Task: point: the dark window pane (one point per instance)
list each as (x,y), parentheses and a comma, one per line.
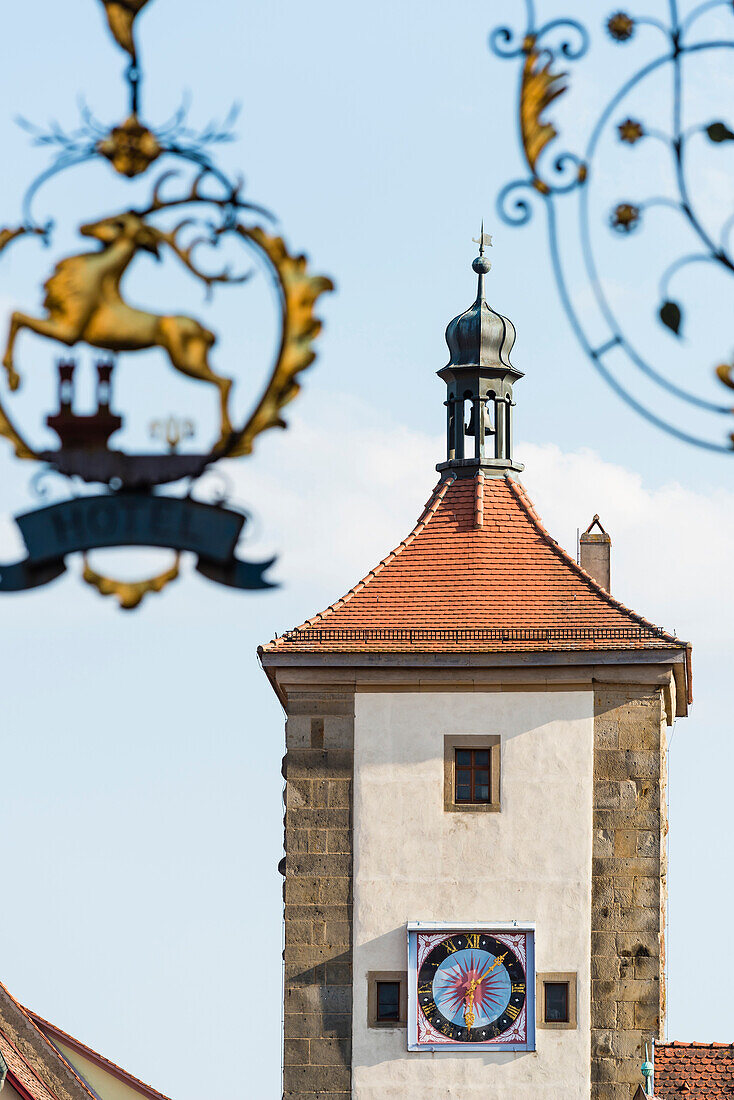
(482,759)
(481,794)
(556,1002)
(388,1000)
(463,783)
(463,757)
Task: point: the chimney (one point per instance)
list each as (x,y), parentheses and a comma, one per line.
(595,552)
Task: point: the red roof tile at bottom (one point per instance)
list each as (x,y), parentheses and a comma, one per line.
(694,1071)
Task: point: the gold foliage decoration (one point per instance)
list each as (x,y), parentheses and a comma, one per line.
(121,16)
(130,147)
(129,594)
(540,87)
(725,372)
(299,292)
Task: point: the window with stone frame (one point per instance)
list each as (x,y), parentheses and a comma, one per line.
(556,1000)
(472,772)
(387,998)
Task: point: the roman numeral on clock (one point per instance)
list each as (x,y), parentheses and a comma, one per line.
(512,1012)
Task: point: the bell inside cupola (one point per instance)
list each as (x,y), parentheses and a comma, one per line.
(479,378)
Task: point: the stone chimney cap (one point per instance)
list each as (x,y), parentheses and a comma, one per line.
(595,551)
(590,535)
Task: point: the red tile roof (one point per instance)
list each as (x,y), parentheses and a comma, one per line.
(55,1034)
(479,572)
(38,1070)
(694,1071)
(20,1072)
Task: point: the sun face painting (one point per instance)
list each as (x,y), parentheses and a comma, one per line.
(470,989)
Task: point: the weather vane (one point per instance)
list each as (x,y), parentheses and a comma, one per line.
(570,187)
(85,304)
(484,240)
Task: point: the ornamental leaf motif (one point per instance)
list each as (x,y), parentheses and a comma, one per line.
(671,316)
(540,87)
(719,131)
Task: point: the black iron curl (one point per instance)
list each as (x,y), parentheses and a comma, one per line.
(570,49)
(566,173)
(514,209)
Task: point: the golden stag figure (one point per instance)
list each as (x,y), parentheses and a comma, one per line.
(84,301)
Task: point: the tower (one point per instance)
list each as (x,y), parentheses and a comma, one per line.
(475,796)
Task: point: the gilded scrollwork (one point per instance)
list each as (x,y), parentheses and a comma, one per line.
(299,291)
(121,16)
(129,594)
(540,88)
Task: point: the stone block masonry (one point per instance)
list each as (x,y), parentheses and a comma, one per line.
(319,769)
(628,885)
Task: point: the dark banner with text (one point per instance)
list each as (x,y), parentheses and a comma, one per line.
(132,519)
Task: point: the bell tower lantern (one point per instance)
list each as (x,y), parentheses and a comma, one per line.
(479,378)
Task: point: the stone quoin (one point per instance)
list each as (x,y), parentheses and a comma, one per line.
(432,948)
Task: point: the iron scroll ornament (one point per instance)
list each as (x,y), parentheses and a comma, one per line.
(543,52)
(84,304)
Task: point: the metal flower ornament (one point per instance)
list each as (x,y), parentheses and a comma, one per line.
(663,216)
(114,497)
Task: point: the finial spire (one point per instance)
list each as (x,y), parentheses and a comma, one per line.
(482,240)
(481,265)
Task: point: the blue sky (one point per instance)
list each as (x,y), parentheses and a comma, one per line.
(142,752)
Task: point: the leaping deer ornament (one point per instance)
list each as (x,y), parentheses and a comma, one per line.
(84,300)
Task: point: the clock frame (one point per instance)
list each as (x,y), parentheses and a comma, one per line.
(471,987)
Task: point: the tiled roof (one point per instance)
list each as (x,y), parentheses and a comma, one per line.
(39,1070)
(694,1071)
(479,572)
(55,1034)
(36,1069)
(20,1072)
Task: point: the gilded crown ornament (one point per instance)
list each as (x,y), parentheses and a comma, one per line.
(85,305)
(688,405)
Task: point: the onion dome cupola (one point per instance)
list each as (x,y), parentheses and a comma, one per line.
(479,377)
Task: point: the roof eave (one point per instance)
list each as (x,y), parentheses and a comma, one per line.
(293,658)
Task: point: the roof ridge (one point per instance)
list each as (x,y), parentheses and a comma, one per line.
(427,514)
(64,1035)
(518,491)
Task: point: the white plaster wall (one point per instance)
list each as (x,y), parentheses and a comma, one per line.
(529,862)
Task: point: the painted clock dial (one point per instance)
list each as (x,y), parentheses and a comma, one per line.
(471,987)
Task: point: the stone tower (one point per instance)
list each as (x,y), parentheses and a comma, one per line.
(475,796)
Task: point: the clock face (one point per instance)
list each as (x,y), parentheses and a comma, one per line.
(471,988)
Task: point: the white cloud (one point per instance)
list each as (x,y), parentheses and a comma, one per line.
(671,546)
(337,491)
